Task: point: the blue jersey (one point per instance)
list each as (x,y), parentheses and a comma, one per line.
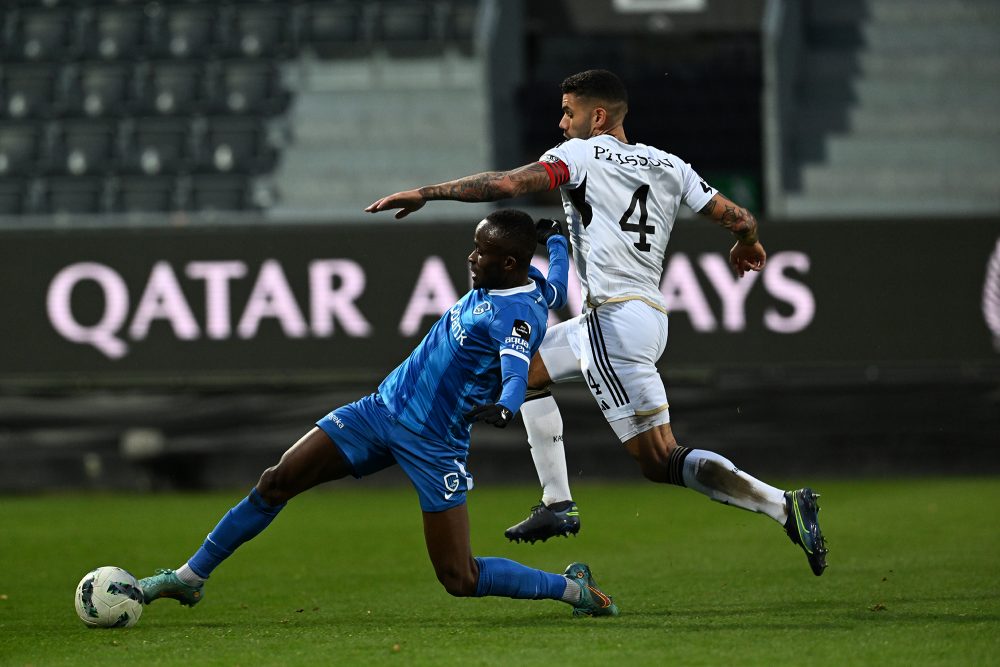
(484,342)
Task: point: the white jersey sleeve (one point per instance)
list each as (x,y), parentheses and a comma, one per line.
(570,153)
(697,192)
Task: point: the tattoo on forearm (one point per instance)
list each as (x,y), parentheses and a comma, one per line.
(740,222)
(491,185)
(709,208)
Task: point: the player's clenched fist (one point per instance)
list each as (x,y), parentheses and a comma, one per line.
(546,229)
(491,413)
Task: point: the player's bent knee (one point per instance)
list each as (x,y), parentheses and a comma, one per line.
(652,451)
(271,488)
(459,583)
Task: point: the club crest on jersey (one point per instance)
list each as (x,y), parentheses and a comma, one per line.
(482,308)
(521,329)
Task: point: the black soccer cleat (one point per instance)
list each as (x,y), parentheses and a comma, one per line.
(802,527)
(545,522)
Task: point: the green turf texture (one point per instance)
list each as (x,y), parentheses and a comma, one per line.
(342,577)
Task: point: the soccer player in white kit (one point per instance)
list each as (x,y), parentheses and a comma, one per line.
(621,201)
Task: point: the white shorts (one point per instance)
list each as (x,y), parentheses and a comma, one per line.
(614,349)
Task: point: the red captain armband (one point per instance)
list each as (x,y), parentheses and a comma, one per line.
(558,172)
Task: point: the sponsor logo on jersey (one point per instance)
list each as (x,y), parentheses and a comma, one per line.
(482,308)
(521,329)
(336,420)
(517,344)
(457,330)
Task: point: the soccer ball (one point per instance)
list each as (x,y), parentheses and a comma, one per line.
(109,597)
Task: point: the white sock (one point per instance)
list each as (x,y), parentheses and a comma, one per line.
(545,435)
(715,476)
(187,575)
(573,592)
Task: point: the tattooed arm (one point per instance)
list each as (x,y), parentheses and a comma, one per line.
(748,254)
(735,218)
(487,186)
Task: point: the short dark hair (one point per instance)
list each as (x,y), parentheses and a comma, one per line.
(598,84)
(516,229)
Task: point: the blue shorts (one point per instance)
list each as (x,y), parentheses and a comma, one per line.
(371,439)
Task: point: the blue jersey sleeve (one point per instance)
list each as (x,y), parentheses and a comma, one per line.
(554,285)
(517,333)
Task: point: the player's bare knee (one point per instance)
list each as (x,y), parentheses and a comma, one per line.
(651,450)
(654,469)
(459,582)
(270,486)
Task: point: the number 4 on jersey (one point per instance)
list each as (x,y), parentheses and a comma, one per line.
(638,197)
(596,386)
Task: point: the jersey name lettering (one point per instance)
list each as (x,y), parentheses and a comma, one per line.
(601,153)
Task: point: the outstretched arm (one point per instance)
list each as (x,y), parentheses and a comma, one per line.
(487,186)
(747,254)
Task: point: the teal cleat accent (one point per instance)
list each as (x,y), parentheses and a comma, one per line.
(593,601)
(802,527)
(166,584)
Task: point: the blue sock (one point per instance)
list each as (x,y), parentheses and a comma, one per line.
(241,523)
(507,578)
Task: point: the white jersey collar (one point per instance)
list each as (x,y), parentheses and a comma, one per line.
(523,289)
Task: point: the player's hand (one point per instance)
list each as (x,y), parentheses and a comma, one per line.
(491,413)
(407,202)
(546,229)
(745,258)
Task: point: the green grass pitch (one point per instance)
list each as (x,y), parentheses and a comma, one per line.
(342,577)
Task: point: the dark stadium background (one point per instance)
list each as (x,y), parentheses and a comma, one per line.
(146,145)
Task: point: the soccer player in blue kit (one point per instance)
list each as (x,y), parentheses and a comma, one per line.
(471,366)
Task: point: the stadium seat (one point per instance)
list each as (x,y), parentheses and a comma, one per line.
(261,30)
(187,31)
(334,29)
(83,147)
(249,87)
(28,91)
(146,194)
(14,196)
(235,145)
(171,88)
(409,28)
(156,146)
(116,32)
(98,89)
(71,194)
(20,147)
(461,24)
(40,35)
(221,193)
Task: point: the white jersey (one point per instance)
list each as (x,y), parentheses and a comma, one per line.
(621,201)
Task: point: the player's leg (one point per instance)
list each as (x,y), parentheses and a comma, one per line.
(441,480)
(620,369)
(310,461)
(345,442)
(663,460)
(556,514)
(463,575)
